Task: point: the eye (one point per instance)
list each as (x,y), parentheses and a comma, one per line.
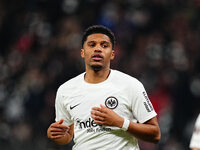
(91,44)
(105,45)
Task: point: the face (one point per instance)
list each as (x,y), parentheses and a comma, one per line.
(97,51)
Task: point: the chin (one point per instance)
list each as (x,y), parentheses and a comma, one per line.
(96,68)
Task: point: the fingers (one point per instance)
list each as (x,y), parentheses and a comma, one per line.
(103,115)
(98,109)
(98,119)
(99,114)
(57,130)
(100,122)
(61,121)
(55,135)
(56,125)
(102,109)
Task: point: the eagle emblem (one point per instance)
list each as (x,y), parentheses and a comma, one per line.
(111,102)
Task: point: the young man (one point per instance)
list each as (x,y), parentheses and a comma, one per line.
(103,108)
(195,140)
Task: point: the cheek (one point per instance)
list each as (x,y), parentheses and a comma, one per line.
(87,56)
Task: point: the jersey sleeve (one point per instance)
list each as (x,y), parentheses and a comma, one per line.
(61,110)
(142,107)
(195,140)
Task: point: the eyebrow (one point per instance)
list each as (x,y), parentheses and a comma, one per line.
(90,42)
(105,42)
(100,42)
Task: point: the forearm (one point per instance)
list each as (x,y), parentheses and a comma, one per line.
(146,132)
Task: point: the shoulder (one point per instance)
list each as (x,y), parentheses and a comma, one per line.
(123,78)
(70,84)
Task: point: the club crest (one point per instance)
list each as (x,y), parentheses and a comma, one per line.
(111,102)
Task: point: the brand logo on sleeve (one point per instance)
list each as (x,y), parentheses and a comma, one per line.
(147,104)
(111,102)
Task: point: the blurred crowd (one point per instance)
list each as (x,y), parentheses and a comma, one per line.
(40,42)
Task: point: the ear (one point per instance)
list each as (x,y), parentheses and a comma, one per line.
(112,55)
(82,53)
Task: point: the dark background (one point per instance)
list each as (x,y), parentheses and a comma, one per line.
(157,42)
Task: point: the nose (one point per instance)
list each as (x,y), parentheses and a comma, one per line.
(98,50)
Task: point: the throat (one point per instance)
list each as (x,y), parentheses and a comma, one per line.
(96,76)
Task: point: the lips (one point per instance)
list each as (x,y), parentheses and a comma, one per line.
(97,57)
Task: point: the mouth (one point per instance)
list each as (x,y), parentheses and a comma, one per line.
(97,57)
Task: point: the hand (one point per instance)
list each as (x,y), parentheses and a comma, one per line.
(57,130)
(105,116)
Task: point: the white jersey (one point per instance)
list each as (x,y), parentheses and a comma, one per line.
(122,93)
(195,140)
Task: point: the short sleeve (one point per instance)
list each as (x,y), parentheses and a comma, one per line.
(195,140)
(142,107)
(61,110)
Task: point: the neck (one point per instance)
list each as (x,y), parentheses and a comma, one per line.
(92,76)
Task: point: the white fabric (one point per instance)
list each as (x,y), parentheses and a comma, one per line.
(195,140)
(125,124)
(120,90)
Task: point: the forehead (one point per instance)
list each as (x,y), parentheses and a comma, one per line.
(98,37)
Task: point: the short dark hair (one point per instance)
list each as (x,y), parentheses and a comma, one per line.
(98,29)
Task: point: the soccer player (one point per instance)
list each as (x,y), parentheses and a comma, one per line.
(102,108)
(195,140)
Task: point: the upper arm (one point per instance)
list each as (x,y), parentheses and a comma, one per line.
(155,126)
(141,105)
(61,109)
(152,121)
